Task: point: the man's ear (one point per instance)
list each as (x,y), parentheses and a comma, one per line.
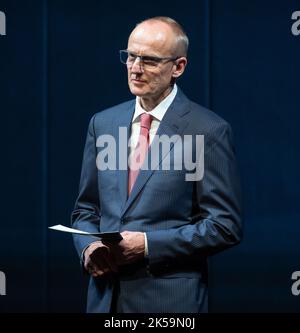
(179,65)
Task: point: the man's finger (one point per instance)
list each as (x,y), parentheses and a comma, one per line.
(100,271)
(110,262)
(87,262)
(102,257)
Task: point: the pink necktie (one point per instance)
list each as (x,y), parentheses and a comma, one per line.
(139,154)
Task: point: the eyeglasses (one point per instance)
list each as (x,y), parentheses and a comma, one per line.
(128,58)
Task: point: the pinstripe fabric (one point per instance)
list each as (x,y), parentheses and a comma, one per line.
(191,299)
(185,221)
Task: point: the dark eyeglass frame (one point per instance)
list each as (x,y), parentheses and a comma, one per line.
(150,61)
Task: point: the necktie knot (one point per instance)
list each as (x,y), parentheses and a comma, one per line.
(146,120)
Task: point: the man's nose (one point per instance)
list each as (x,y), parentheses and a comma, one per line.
(137,66)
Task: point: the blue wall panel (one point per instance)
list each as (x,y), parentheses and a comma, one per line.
(22,236)
(254,85)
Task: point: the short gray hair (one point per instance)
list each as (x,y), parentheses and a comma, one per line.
(182,39)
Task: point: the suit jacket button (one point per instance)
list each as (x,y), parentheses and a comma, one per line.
(148,271)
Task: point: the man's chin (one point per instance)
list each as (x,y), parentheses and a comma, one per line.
(140,92)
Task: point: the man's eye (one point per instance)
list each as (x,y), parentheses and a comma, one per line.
(131,56)
(150,61)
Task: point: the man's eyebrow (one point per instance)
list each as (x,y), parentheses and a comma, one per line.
(145,55)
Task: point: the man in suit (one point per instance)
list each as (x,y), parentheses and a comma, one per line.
(169,224)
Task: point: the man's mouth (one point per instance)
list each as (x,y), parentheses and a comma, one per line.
(137,81)
(134,78)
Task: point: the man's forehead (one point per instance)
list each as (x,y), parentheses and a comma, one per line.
(152,35)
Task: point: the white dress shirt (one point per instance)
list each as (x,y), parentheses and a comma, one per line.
(157,115)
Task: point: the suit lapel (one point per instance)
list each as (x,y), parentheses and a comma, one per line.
(172,124)
(124,122)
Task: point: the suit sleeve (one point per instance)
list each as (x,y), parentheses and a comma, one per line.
(86,213)
(216,220)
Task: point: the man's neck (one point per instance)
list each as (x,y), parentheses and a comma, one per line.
(149,104)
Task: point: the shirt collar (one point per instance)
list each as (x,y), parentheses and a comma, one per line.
(159,111)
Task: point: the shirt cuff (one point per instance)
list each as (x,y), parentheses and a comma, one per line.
(146,246)
(82,254)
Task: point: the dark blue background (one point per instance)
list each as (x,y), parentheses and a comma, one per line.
(59,65)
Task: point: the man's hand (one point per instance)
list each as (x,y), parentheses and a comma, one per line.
(131,248)
(98,259)
(102,258)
